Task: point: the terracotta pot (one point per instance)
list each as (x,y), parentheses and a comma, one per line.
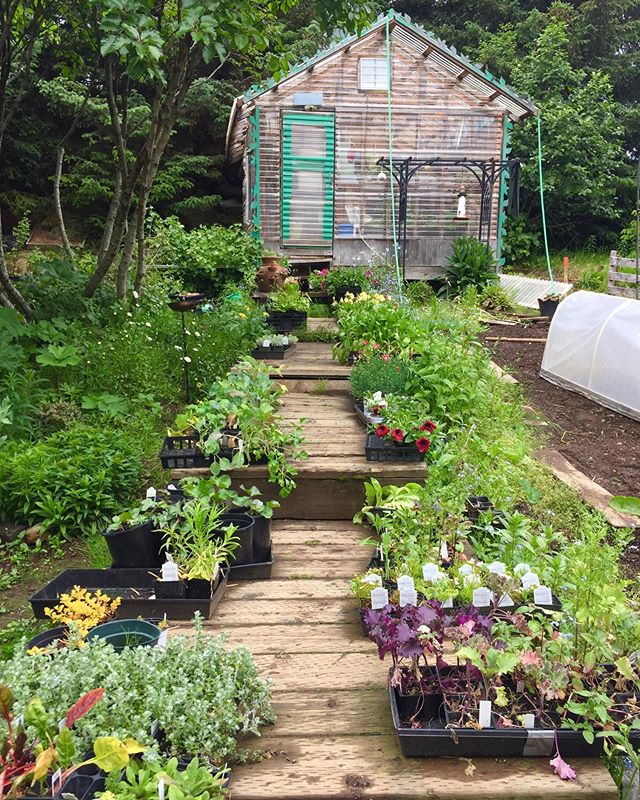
(271,274)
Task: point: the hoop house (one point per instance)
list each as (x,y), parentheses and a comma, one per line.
(593,348)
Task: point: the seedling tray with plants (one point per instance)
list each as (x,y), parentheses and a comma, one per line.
(368,420)
(274,353)
(431,738)
(184,452)
(377,449)
(253,572)
(135,587)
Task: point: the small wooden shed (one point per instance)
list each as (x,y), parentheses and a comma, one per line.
(318,148)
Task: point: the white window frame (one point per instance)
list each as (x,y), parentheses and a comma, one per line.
(377,75)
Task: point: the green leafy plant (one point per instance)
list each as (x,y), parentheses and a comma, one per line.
(59,356)
(289,298)
(470,264)
(379,373)
(108,404)
(141,782)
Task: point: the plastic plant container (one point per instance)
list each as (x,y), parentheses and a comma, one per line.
(136,547)
(377,449)
(259,571)
(182,452)
(47,638)
(135,587)
(121,633)
(244,524)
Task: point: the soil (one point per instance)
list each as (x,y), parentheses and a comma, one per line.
(601,443)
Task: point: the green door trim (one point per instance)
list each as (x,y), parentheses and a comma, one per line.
(321,163)
(254,161)
(503,194)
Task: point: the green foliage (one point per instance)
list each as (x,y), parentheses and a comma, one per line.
(419,292)
(593,280)
(470,264)
(627,242)
(59,356)
(192,679)
(495,298)
(626,505)
(207,258)
(289,298)
(519,242)
(22,229)
(377,374)
(72,479)
(141,782)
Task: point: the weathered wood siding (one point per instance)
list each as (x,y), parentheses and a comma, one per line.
(433,115)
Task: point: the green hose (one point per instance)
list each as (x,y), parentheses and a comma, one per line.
(391,179)
(544,218)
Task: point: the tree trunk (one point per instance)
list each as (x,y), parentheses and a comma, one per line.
(141,265)
(9,295)
(126,258)
(58,205)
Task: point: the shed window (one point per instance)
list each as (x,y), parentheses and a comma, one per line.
(373,74)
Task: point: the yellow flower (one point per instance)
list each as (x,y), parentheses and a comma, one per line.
(242,315)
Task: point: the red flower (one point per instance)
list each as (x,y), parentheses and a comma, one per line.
(423,444)
(428,426)
(398,435)
(382,431)
(376,410)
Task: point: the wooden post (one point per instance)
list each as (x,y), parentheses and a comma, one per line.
(565,265)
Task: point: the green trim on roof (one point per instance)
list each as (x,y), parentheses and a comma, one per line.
(476,69)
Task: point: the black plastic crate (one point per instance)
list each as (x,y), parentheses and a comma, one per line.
(273,353)
(377,449)
(253,572)
(135,587)
(183,452)
(358,407)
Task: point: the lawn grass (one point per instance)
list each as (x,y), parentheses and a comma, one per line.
(588,269)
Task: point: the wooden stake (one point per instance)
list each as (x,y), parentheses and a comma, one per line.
(511,339)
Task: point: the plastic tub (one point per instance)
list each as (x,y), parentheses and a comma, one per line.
(121,633)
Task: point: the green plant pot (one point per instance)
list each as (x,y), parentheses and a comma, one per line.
(121,633)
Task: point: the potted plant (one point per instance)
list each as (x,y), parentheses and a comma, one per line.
(346,280)
(142,781)
(403,435)
(83,609)
(262,513)
(548,305)
(199,545)
(121,633)
(132,538)
(274,346)
(288,307)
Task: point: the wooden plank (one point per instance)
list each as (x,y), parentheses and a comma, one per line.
(336,526)
(265,639)
(357,468)
(286,612)
(625,277)
(372,768)
(327,713)
(513,339)
(324,671)
(590,491)
(317,570)
(336,551)
(313,323)
(504,376)
(285,590)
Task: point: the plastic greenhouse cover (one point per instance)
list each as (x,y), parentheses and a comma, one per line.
(593,348)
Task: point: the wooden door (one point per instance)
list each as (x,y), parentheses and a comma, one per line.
(308,155)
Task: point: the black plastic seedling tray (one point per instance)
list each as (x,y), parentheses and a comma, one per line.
(273,354)
(253,572)
(377,449)
(135,587)
(435,740)
(358,407)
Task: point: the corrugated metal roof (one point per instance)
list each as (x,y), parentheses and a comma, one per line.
(527,291)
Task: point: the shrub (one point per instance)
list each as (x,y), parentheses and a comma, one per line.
(593,280)
(470,264)
(519,243)
(495,298)
(71,480)
(378,373)
(289,298)
(627,243)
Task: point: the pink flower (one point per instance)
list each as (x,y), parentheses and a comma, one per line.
(386,357)
(375,346)
(562,769)
(530,658)
(365,341)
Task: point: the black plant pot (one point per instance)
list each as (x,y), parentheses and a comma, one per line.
(548,307)
(244,524)
(422,706)
(135,548)
(198,589)
(47,638)
(261,535)
(342,291)
(171,590)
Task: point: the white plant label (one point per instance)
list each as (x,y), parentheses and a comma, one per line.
(374,579)
(530,580)
(430,572)
(285,340)
(506,601)
(151,493)
(161,789)
(542,596)
(497,568)
(485,714)
(170,570)
(528,721)
(448,603)
(444,551)
(172,487)
(56,782)
(482,597)
(155,727)
(266,343)
(408,597)
(405,582)
(379,598)
(162,639)
(465,569)
(521,569)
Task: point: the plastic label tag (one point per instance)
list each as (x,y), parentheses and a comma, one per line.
(285,340)
(448,603)
(408,597)
(62,724)
(506,601)
(374,579)
(539,743)
(530,580)
(405,582)
(162,639)
(497,568)
(444,551)
(266,343)
(56,782)
(430,572)
(528,720)
(542,596)
(485,714)
(379,598)
(521,568)
(482,596)
(161,789)
(465,569)
(155,727)
(151,493)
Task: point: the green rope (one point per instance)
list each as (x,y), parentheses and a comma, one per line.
(544,218)
(391,179)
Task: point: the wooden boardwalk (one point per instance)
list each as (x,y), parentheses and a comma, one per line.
(333,737)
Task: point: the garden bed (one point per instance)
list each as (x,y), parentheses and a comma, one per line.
(135,587)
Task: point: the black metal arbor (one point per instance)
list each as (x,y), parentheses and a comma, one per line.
(485,172)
